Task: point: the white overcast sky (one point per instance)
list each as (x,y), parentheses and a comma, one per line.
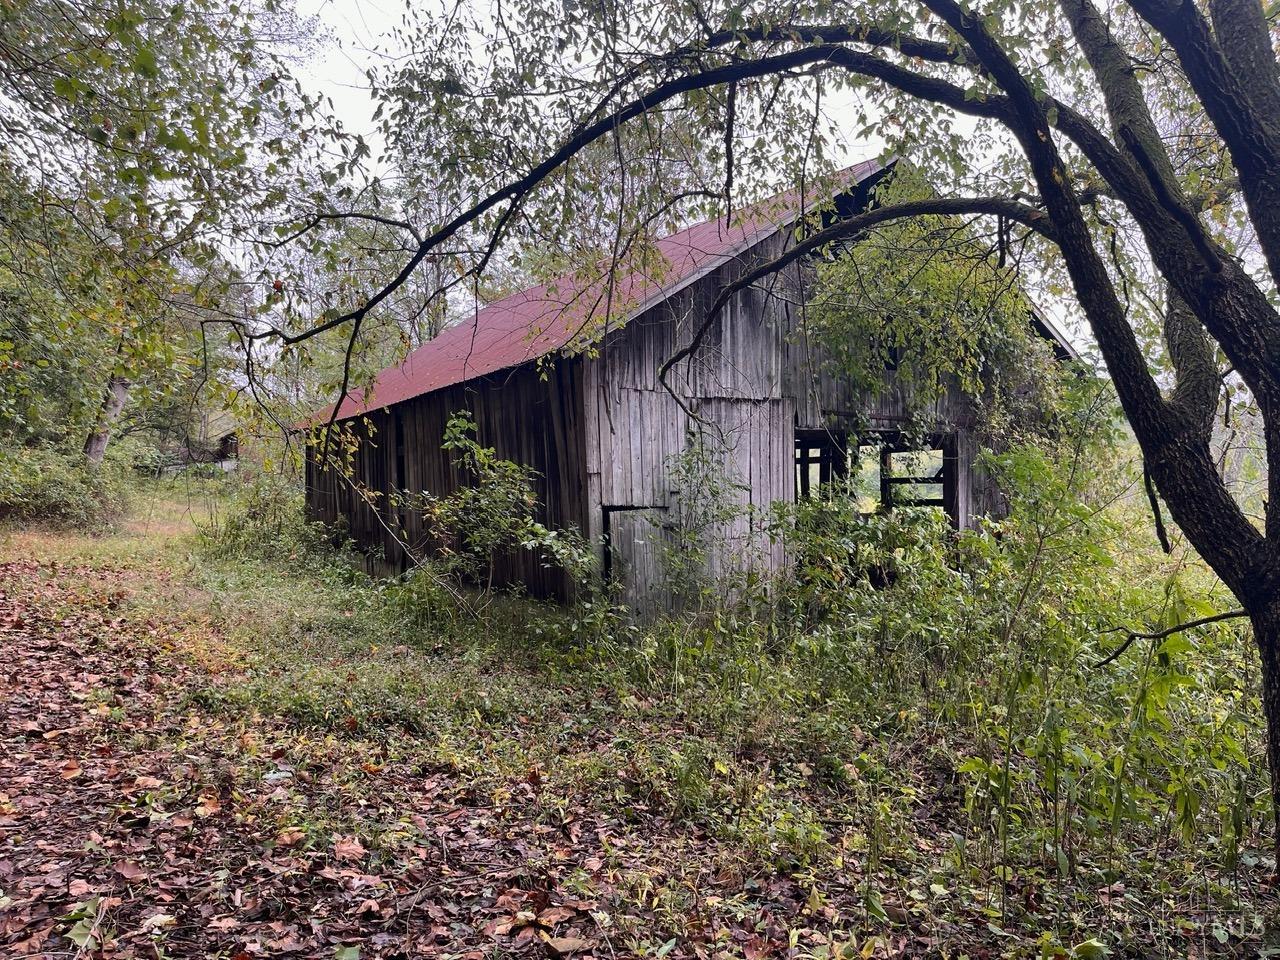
(359,36)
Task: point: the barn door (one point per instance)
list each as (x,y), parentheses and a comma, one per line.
(634,540)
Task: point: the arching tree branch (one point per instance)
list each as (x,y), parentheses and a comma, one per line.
(1167,632)
(824,55)
(335,215)
(848,230)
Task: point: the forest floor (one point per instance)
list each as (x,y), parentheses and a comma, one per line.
(171,786)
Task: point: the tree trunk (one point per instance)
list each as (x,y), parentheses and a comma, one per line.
(1265,617)
(95,446)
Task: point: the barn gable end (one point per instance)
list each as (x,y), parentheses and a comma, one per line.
(742,400)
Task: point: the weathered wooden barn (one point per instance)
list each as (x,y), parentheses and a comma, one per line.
(604,436)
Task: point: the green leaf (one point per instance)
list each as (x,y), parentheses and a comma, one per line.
(144,61)
(65,87)
(82,935)
(1091,949)
(875,907)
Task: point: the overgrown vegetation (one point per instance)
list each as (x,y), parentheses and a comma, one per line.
(493,512)
(264,519)
(920,710)
(925,299)
(45,484)
(910,734)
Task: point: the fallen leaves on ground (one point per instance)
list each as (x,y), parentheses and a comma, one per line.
(136,823)
(132,823)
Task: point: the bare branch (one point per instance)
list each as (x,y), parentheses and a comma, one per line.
(850,229)
(1169,631)
(320,218)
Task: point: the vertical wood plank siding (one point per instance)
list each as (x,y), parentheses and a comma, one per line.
(530,415)
(753,381)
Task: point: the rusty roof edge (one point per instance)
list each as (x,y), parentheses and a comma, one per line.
(611,326)
(872,167)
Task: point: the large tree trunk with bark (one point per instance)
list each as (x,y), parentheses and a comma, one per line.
(113,401)
(1265,617)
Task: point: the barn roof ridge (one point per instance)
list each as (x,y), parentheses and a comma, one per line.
(538,321)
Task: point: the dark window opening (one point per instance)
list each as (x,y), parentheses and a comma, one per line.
(912,478)
(880,470)
(822,456)
(229,447)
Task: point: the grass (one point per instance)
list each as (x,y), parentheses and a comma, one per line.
(730,764)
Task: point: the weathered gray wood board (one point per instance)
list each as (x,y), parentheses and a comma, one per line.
(753,382)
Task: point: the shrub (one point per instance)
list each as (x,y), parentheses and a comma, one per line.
(265,520)
(47,485)
(899,626)
(493,514)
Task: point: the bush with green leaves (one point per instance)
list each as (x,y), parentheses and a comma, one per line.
(264,521)
(493,513)
(700,561)
(996,638)
(48,485)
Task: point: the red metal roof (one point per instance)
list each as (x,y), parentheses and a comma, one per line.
(543,319)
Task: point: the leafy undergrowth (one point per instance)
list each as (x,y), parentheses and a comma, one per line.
(227,759)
